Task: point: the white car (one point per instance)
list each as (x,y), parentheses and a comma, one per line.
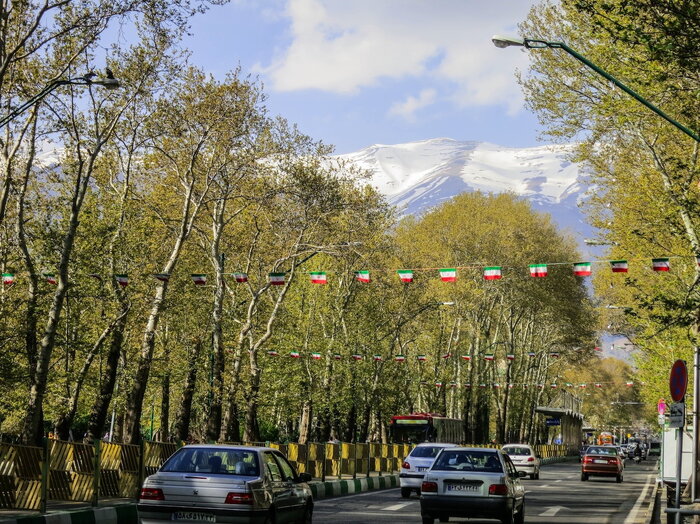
(473,483)
(525,459)
(416,464)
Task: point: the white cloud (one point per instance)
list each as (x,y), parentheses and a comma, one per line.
(344,46)
(408,107)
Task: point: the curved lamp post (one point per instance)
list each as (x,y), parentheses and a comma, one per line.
(529,43)
(88,79)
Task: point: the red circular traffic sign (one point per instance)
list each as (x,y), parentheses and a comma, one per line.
(678,380)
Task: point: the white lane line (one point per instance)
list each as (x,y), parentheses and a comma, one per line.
(559,480)
(397,507)
(345,497)
(635,509)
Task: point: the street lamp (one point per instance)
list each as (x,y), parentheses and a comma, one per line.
(88,79)
(595,242)
(508,41)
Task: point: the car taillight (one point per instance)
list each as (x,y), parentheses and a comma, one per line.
(151,494)
(429,487)
(239,498)
(588,459)
(405,465)
(531,459)
(614,461)
(498,489)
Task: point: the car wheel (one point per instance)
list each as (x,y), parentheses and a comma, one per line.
(444,519)
(509,518)
(428,520)
(533,476)
(584,476)
(405,492)
(520,517)
(537,475)
(308,515)
(618,479)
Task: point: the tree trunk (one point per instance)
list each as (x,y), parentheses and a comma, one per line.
(213,429)
(305,421)
(184,413)
(165,408)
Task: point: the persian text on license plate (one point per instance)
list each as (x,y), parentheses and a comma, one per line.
(462,487)
(600,461)
(195,516)
(422,468)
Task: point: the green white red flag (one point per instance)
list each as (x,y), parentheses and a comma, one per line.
(377,358)
(448,275)
(273,353)
(400,358)
(629,384)
(619,266)
(453,384)
(569,385)
(50,278)
(199,279)
(276,279)
(8,279)
(406,275)
(422,358)
(240,277)
(163,277)
(447,355)
(294,354)
(492,273)
(582,269)
(357,357)
(488,356)
(530,353)
(337,357)
(122,280)
(554,354)
(598,385)
(466,357)
(316,356)
(553,386)
(496,385)
(318,277)
(438,384)
(510,356)
(660,264)
(538,270)
(468,385)
(582,385)
(362,276)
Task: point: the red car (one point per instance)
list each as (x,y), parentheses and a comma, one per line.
(601,461)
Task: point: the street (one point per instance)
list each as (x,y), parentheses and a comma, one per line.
(559,496)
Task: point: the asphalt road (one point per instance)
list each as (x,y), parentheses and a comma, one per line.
(559,496)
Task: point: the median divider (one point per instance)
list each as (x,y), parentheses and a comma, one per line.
(337,488)
(119,514)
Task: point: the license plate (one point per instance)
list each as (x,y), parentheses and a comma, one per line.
(462,487)
(194,516)
(422,468)
(600,461)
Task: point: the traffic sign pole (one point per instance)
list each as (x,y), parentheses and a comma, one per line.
(696,425)
(678,383)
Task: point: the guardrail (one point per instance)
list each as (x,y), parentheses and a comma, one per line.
(73,471)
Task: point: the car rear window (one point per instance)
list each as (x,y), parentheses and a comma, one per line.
(213,460)
(601,451)
(468,460)
(518,451)
(426,451)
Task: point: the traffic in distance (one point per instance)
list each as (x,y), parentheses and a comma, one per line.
(247,484)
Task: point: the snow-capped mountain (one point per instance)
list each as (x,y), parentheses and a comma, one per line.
(419,175)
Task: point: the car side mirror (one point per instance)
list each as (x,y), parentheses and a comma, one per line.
(522,474)
(304,477)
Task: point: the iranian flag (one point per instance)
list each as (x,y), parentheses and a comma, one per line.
(629,384)
(376,358)
(406,275)
(569,385)
(660,264)
(362,276)
(400,358)
(492,273)
(552,386)
(619,266)
(122,280)
(488,356)
(453,384)
(318,277)
(8,279)
(199,279)
(554,354)
(597,348)
(50,278)
(337,357)
(422,358)
(438,384)
(273,353)
(447,355)
(538,270)
(482,385)
(163,277)
(466,357)
(510,385)
(530,353)
(510,356)
(582,385)
(540,386)
(294,354)
(468,385)
(276,279)
(598,385)
(448,275)
(582,269)
(357,357)
(316,356)
(496,385)
(241,277)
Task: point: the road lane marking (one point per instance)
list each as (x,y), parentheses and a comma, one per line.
(552,511)
(635,509)
(345,497)
(397,507)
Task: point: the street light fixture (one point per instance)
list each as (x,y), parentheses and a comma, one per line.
(595,242)
(529,43)
(88,79)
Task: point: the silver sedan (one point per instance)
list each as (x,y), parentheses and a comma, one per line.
(226,484)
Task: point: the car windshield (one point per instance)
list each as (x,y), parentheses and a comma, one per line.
(468,460)
(221,461)
(426,451)
(601,451)
(517,451)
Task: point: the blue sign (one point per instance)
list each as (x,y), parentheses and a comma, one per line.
(553,421)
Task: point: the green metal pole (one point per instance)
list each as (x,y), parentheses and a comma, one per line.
(608,76)
(96,474)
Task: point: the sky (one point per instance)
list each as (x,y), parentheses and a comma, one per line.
(354,73)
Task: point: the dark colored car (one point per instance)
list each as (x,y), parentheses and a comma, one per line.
(601,461)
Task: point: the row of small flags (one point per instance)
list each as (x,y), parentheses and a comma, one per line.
(511,385)
(402,358)
(581,269)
